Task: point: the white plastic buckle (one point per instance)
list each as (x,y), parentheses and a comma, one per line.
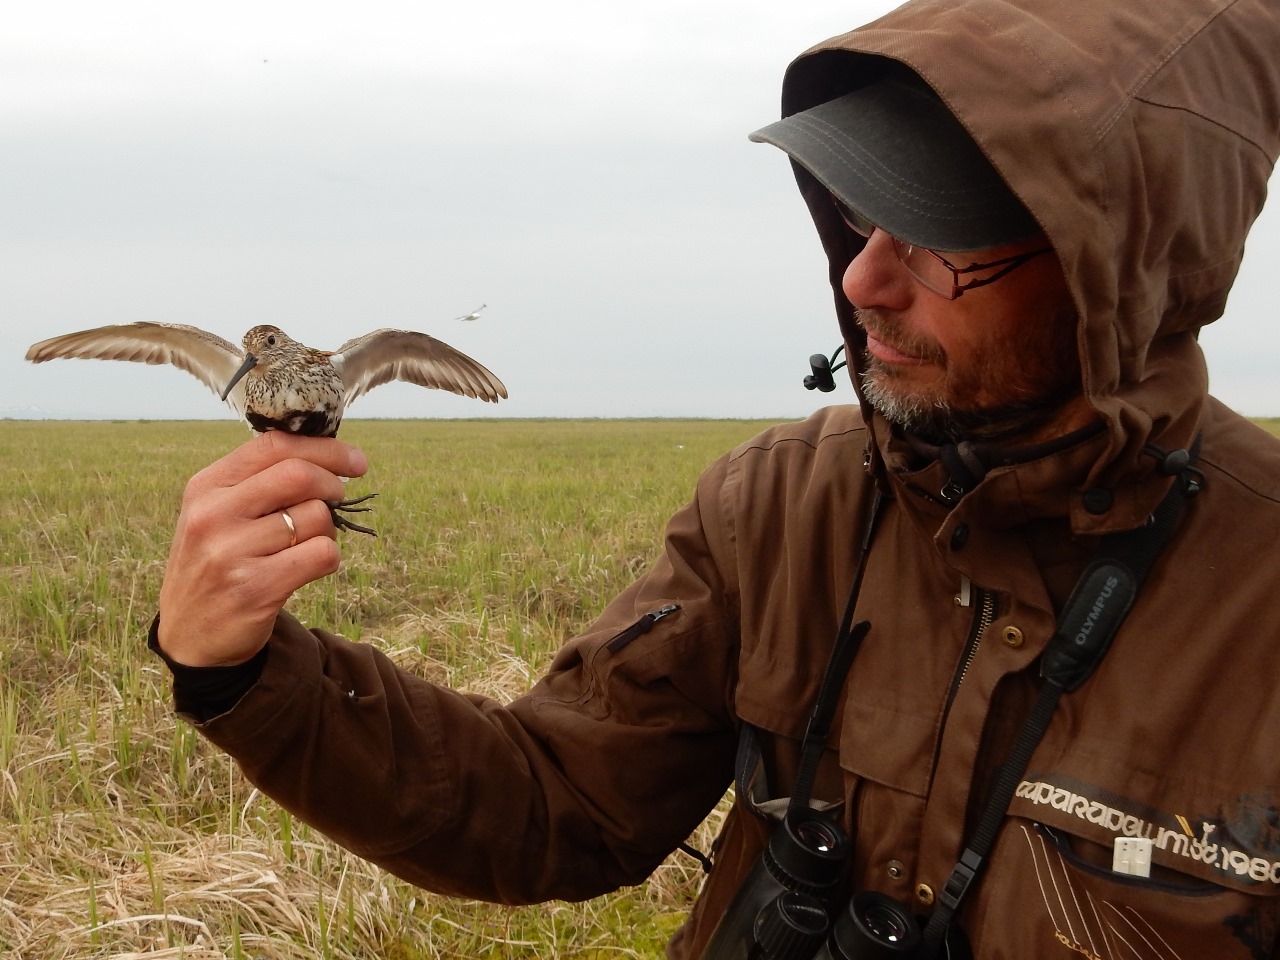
(1132,856)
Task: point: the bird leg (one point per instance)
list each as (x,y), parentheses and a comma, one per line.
(349,506)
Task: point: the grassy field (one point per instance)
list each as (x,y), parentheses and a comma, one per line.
(124,835)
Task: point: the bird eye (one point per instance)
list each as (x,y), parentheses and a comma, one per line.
(271,341)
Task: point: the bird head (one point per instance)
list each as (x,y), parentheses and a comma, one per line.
(264,346)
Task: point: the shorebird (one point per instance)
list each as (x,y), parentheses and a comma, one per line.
(473,315)
(277,383)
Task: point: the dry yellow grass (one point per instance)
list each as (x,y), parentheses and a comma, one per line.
(124,835)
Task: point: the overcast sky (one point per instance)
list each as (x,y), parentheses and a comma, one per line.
(580,167)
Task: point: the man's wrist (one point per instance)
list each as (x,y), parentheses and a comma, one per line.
(207,692)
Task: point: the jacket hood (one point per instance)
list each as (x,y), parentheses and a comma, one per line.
(1140,134)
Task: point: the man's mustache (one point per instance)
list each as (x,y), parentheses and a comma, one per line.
(880,325)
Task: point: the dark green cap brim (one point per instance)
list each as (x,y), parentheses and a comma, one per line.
(892,151)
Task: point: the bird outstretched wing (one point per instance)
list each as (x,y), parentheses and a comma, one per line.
(385,355)
(206,356)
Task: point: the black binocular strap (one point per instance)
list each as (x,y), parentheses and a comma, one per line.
(1098,605)
(848,640)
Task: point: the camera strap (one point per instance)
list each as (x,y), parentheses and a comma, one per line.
(1098,605)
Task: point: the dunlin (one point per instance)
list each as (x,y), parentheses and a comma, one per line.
(276,383)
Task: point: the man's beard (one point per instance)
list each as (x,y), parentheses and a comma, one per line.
(1048,370)
(936,421)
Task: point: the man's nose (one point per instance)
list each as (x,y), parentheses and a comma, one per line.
(876,278)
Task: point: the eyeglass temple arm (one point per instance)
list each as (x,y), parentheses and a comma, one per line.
(1009,264)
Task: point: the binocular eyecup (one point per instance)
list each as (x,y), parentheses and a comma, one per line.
(783,910)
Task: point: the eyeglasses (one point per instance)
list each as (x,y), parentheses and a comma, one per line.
(934,271)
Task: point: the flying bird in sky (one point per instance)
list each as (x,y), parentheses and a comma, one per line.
(277,383)
(473,315)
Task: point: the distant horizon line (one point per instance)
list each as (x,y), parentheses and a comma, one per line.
(349,419)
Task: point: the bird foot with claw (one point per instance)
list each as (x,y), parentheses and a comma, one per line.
(349,506)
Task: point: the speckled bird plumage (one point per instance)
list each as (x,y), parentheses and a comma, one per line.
(290,386)
(277,383)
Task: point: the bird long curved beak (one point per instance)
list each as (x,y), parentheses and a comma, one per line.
(250,361)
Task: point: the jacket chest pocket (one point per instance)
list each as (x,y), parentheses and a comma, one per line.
(1111,862)
(1047,889)
(878,736)
(873,776)
(892,748)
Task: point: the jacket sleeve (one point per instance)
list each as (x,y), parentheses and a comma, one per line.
(582,785)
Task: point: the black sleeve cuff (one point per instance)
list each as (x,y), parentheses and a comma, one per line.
(207,692)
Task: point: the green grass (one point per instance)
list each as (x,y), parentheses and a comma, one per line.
(123,834)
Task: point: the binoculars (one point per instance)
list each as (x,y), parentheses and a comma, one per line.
(783,911)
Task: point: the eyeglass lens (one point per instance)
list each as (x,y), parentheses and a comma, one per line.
(933,270)
(920,263)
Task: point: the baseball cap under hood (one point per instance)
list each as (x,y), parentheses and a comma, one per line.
(892,151)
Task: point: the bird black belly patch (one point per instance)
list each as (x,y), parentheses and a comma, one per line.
(309,423)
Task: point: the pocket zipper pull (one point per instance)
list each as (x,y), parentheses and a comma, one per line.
(640,627)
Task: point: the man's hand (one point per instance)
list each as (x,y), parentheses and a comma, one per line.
(231,567)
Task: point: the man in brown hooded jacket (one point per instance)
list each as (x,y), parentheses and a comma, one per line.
(1101,164)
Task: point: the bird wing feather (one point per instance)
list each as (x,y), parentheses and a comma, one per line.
(209,358)
(385,355)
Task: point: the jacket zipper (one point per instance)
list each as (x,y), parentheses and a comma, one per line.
(982,617)
(640,627)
